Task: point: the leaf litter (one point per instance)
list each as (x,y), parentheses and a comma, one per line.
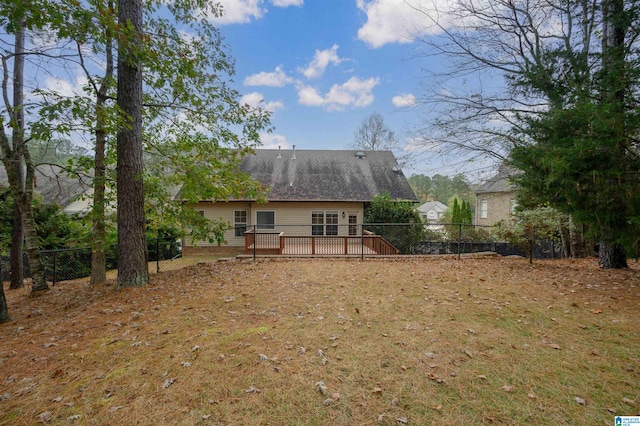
(393,325)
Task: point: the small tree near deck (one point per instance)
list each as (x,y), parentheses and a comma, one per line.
(397,221)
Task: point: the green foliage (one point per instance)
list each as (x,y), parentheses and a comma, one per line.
(404,228)
(55,229)
(440,188)
(530,227)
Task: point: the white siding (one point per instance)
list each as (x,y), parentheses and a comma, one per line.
(286,215)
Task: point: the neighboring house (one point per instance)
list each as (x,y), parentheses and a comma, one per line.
(311,193)
(432,211)
(496,198)
(53,184)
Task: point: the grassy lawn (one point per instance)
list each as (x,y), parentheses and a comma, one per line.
(330,342)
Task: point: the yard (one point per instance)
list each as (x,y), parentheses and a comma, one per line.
(414,341)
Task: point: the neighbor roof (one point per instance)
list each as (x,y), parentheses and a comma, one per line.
(328,175)
(53,184)
(500,182)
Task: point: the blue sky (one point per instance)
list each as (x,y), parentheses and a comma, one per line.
(322,66)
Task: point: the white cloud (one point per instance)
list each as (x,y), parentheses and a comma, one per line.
(399,21)
(239,11)
(278,78)
(404,100)
(287,3)
(66,88)
(273,141)
(421,144)
(256,100)
(354,92)
(309,96)
(321,61)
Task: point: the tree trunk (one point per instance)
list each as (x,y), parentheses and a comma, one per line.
(612,256)
(132,248)
(578,244)
(565,238)
(17,141)
(4,309)
(17,260)
(98,256)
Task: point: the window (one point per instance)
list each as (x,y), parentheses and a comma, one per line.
(240,222)
(201,212)
(317,223)
(483,209)
(324,223)
(353,224)
(332,223)
(266,220)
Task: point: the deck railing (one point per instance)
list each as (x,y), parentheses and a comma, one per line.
(265,242)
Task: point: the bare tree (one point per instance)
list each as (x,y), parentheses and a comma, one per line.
(132,249)
(374,135)
(520,64)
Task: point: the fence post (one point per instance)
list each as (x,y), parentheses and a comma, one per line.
(255,242)
(362,241)
(54,269)
(459,238)
(158,253)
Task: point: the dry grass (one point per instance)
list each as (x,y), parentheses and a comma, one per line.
(426,341)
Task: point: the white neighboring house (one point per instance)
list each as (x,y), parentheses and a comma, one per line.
(432,211)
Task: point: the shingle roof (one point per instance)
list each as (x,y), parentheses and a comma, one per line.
(500,182)
(53,184)
(328,175)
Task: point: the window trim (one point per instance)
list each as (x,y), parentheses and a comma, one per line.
(239,227)
(484,209)
(320,225)
(268,227)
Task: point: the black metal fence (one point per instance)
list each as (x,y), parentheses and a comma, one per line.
(318,239)
(75,263)
(375,239)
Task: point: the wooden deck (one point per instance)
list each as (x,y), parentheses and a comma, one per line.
(292,245)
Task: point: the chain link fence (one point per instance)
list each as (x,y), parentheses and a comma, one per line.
(317,239)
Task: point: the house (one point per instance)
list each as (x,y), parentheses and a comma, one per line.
(432,211)
(311,193)
(496,198)
(53,184)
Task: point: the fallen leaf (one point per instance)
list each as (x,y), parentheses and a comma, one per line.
(628,401)
(45,417)
(321,387)
(57,399)
(467,353)
(394,401)
(252,390)
(263,357)
(507,388)
(580,401)
(327,401)
(531,395)
(377,390)
(186,364)
(555,346)
(167,383)
(402,420)
(74,417)
(597,312)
